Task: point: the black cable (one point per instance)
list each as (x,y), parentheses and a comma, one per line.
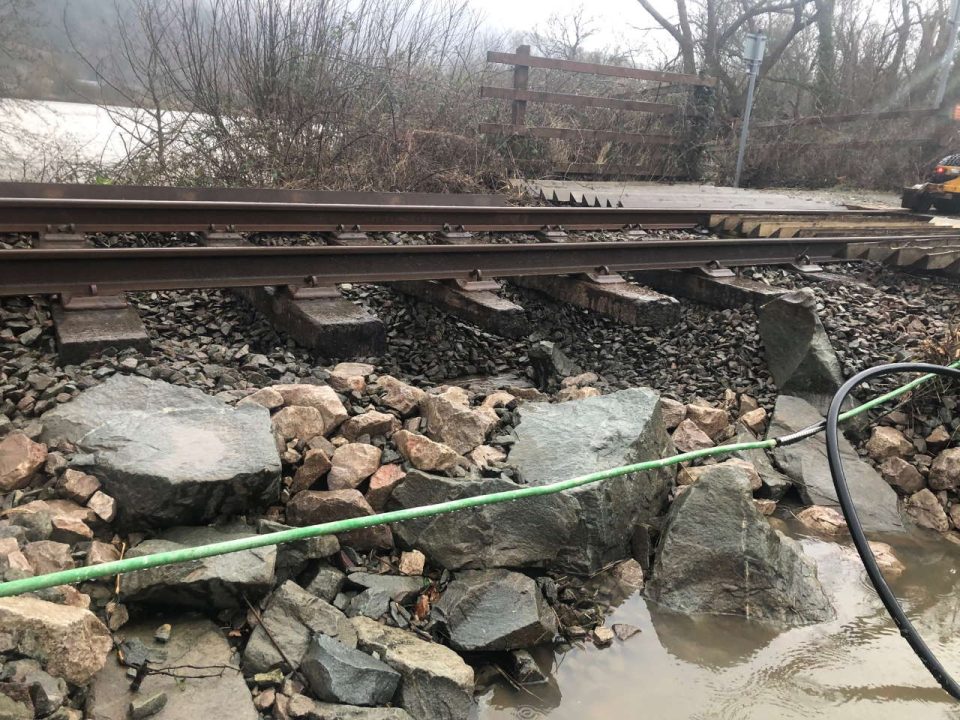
(890,602)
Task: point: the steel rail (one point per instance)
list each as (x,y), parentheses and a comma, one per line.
(88,272)
(35,215)
(78,191)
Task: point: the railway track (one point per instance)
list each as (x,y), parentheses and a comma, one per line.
(458,268)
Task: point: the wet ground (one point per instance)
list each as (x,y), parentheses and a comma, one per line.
(856,667)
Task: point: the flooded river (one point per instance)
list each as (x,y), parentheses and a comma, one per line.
(857,667)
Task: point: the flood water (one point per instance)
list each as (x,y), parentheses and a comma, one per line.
(856,667)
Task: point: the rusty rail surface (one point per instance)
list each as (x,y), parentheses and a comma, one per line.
(84,215)
(78,191)
(86,272)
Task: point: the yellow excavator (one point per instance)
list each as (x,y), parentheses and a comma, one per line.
(942,189)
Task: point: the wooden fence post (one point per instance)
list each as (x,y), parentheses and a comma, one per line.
(521,76)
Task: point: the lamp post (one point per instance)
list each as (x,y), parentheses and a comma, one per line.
(753,47)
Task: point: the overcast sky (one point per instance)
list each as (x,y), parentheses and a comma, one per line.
(618,22)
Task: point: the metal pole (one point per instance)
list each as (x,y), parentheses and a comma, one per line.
(947,58)
(745,127)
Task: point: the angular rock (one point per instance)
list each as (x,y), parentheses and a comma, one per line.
(495,610)
(689,437)
(945,470)
(351,464)
(577,393)
(423,453)
(101,552)
(823,520)
(806,464)
(713,421)
(291,618)
(674,412)
(298,422)
(484,456)
(412,562)
(550,364)
(217,581)
(194,642)
(799,354)
(340,674)
(561,441)
(320,397)
(775,483)
(168,454)
(937,439)
(458,426)
(313,507)
(68,642)
(47,556)
(401,588)
(20,458)
(294,557)
(303,708)
(264,397)
(436,683)
(326,582)
(15,702)
(78,486)
(901,474)
(382,484)
(47,693)
(103,505)
(372,423)
(146,706)
(688,476)
(926,511)
(887,560)
(497,399)
(69,530)
(886,442)
(398,395)
(350,377)
(718,555)
(515,534)
(315,465)
(756,420)
(13,563)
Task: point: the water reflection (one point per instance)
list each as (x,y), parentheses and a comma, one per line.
(854,667)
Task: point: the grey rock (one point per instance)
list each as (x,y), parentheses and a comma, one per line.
(369,603)
(799,354)
(47,693)
(398,587)
(436,683)
(326,582)
(775,483)
(719,555)
(557,442)
(303,708)
(216,581)
(525,669)
(144,707)
(550,365)
(805,463)
(515,534)
(491,610)
(291,618)
(340,674)
(170,455)
(294,557)
(194,641)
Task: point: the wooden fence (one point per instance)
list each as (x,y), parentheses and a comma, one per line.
(521,94)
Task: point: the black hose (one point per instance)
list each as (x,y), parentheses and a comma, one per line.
(890,602)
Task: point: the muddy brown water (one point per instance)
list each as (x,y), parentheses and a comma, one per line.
(727,668)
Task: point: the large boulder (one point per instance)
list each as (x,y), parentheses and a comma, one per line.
(799,354)
(291,618)
(719,555)
(435,684)
(514,534)
(191,692)
(219,581)
(169,455)
(490,610)
(805,463)
(566,440)
(69,642)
